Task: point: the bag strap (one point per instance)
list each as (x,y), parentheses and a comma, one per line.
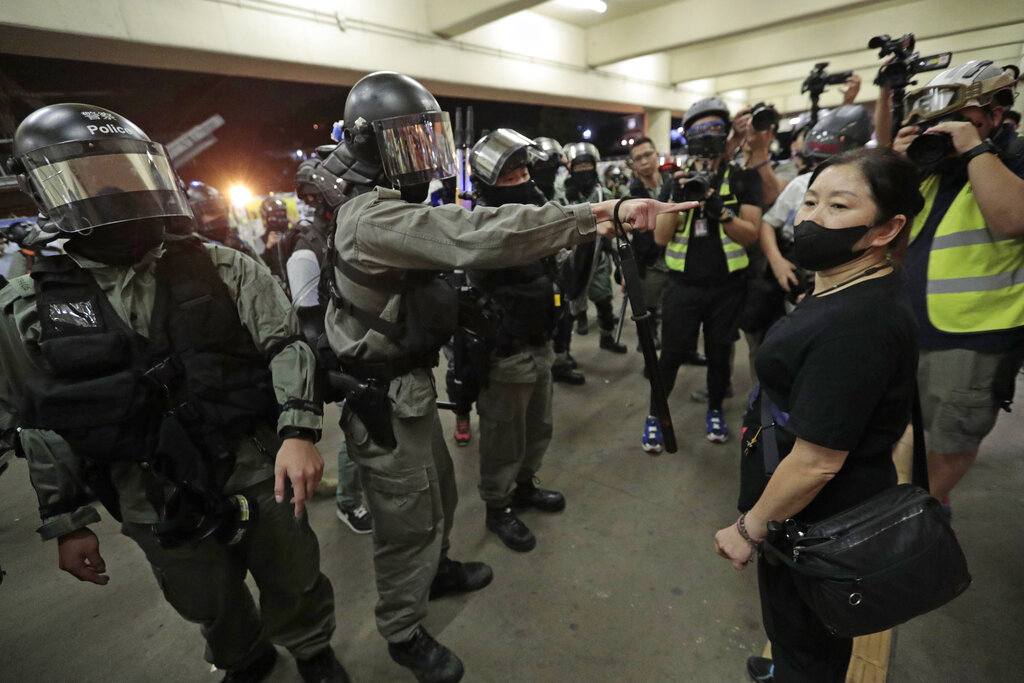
(770,447)
(920,468)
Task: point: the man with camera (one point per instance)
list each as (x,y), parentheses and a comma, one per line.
(965,257)
(183,398)
(705,253)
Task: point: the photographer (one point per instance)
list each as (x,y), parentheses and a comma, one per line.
(839,375)
(707,259)
(965,256)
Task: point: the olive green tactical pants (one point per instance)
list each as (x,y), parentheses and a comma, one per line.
(601,285)
(205,584)
(515,422)
(412,495)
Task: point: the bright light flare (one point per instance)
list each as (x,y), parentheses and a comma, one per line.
(586,134)
(593,5)
(239,195)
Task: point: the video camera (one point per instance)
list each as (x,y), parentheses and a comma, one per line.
(906,63)
(817,81)
(696,187)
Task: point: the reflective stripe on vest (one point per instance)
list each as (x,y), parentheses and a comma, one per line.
(735,255)
(975,278)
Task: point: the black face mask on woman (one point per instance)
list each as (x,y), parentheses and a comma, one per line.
(523,193)
(816,247)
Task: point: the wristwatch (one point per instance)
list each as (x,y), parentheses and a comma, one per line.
(985,147)
(727,216)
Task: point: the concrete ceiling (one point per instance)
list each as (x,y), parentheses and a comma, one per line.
(585,18)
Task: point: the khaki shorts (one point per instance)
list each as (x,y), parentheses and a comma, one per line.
(956,398)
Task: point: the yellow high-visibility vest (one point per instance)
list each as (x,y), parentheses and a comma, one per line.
(975,277)
(735,255)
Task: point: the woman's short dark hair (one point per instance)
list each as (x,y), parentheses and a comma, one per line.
(894,185)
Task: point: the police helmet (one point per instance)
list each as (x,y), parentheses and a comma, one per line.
(274,214)
(394,133)
(552,148)
(88,167)
(581,152)
(500,151)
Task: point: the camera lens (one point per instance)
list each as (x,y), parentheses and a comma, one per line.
(764,119)
(930,148)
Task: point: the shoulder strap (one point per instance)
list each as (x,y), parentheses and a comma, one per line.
(920,468)
(374,322)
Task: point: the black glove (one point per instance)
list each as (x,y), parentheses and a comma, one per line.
(713,207)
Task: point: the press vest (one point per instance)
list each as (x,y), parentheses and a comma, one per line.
(735,255)
(975,277)
(107,390)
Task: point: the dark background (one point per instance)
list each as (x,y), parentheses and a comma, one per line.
(266,121)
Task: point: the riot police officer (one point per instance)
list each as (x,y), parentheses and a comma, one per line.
(304,270)
(592,264)
(211,217)
(390,314)
(171,371)
(274,216)
(515,402)
(545,170)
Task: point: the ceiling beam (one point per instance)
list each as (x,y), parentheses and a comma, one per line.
(449,19)
(841,32)
(685,22)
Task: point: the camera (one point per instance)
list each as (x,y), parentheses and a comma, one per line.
(695,188)
(764,117)
(818,79)
(906,63)
(929,149)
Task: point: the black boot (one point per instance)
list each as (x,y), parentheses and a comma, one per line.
(323,667)
(428,660)
(257,670)
(564,372)
(608,343)
(582,325)
(527,495)
(510,529)
(459,577)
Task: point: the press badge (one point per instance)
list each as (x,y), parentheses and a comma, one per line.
(700,227)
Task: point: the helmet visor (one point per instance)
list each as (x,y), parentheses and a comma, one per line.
(933,102)
(491,156)
(85,185)
(416,149)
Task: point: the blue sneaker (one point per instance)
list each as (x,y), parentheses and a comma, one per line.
(652,441)
(718,431)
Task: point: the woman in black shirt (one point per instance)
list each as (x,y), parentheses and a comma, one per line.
(839,374)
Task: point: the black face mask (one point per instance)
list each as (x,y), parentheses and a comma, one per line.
(544,176)
(580,184)
(815,247)
(415,194)
(706,146)
(523,193)
(121,244)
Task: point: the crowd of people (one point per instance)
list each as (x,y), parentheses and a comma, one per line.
(160,366)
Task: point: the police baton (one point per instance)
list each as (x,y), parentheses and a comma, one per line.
(644,320)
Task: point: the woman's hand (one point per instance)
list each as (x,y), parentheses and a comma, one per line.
(733,547)
(784,272)
(635,214)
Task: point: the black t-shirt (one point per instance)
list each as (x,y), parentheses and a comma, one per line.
(843,367)
(705,258)
(644,247)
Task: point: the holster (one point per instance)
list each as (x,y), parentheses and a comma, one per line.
(370,403)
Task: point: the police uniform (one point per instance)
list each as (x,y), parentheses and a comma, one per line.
(411,490)
(205,583)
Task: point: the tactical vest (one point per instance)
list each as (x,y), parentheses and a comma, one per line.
(975,277)
(525,302)
(735,255)
(107,390)
(427,316)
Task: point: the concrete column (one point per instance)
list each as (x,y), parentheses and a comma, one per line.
(658,125)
